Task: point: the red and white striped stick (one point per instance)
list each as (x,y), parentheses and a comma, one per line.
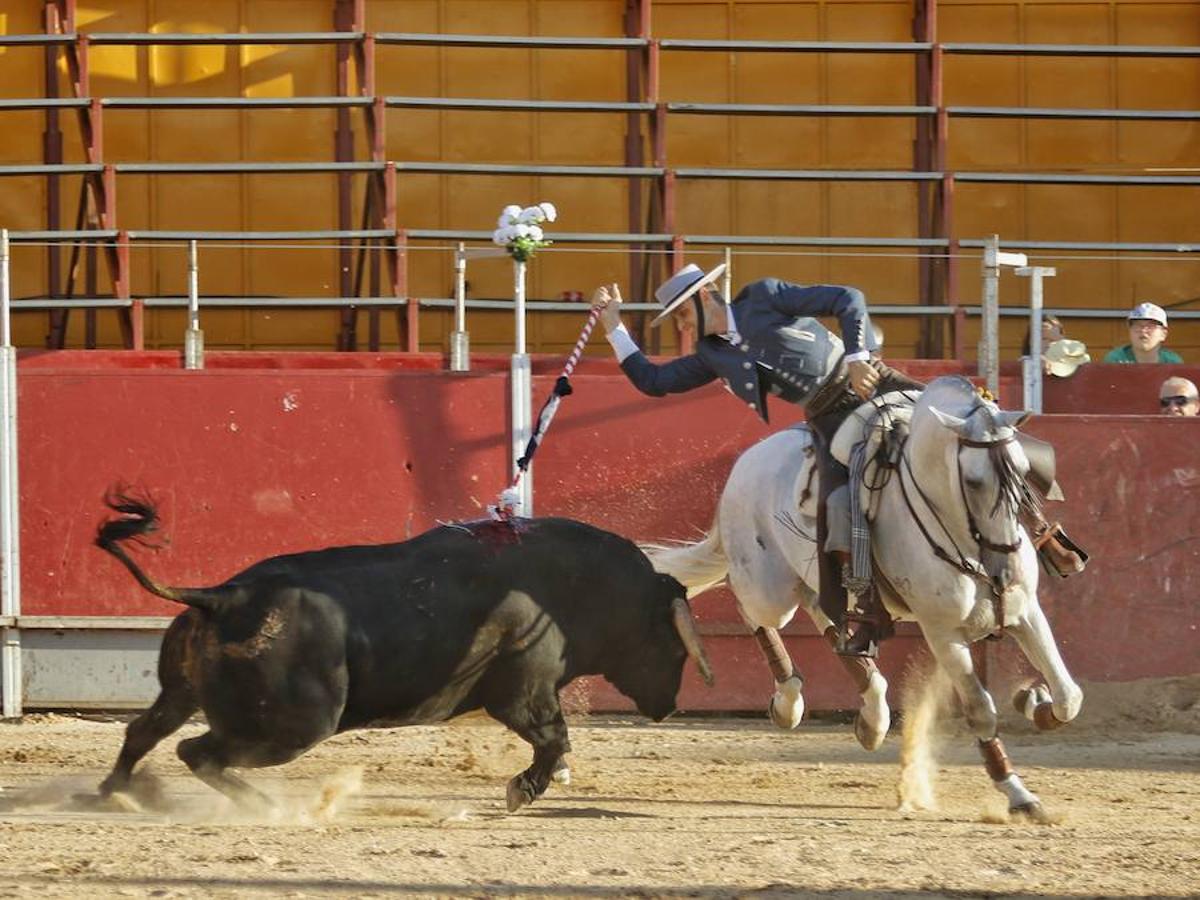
(508,497)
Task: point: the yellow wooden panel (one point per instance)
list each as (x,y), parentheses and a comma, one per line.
(27,264)
(586,139)
(985,144)
(1085,212)
(1158,214)
(1157,23)
(20,67)
(859,208)
(777,208)
(983,209)
(866,143)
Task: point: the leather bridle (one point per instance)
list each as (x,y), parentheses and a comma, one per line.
(970,567)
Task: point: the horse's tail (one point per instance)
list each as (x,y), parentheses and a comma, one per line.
(139,518)
(697,565)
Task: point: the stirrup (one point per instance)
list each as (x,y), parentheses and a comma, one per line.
(1059,554)
(865,640)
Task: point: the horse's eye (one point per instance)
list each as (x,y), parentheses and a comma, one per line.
(972,482)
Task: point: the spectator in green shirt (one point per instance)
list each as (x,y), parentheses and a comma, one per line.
(1147,331)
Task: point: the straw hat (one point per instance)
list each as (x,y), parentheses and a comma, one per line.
(1064,356)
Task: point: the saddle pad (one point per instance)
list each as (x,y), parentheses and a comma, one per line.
(868,422)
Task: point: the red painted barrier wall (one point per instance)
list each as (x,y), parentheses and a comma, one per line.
(251,462)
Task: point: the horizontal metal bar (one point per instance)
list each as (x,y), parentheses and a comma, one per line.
(503,169)
(1069,313)
(532,105)
(71,303)
(233,102)
(808,174)
(1032,112)
(316,235)
(1086,245)
(788,109)
(261,37)
(277,302)
(16,40)
(489,40)
(84,623)
(53,169)
(282,168)
(99,234)
(1073,178)
(739,240)
(1067,49)
(559,237)
(799,46)
(266,168)
(17,103)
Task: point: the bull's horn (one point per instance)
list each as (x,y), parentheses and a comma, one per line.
(686,626)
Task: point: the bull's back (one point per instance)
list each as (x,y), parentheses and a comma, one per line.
(430,619)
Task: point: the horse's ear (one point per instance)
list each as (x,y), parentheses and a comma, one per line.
(1013,419)
(954,423)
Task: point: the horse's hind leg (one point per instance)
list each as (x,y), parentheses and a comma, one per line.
(980,711)
(1062,704)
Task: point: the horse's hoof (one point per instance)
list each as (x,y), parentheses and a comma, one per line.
(561,773)
(517,796)
(786,708)
(1033,811)
(869,737)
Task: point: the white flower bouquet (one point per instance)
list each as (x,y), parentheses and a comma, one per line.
(520,232)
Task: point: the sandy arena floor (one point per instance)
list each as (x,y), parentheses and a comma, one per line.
(692,807)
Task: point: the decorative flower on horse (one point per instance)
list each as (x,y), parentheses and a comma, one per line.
(519,231)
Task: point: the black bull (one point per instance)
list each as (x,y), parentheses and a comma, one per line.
(482,615)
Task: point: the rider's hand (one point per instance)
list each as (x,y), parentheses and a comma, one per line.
(608,298)
(863,378)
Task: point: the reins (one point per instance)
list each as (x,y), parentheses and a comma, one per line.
(1008,488)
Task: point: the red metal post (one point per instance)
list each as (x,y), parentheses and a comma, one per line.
(343,149)
(52,155)
(678,249)
(635,82)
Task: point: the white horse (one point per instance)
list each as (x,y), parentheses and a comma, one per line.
(947,549)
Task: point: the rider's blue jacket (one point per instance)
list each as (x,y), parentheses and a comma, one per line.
(778,346)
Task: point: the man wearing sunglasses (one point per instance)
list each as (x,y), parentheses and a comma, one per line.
(1178,397)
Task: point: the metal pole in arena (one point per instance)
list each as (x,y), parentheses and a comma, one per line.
(10,554)
(522,395)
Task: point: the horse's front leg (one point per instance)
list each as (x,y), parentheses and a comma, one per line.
(980,711)
(874,716)
(786,708)
(1061,704)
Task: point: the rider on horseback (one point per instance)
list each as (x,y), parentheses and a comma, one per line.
(768,342)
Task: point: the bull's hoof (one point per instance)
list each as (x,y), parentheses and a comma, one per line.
(786,708)
(869,737)
(517,795)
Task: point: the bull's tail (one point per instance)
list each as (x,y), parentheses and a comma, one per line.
(697,565)
(137,519)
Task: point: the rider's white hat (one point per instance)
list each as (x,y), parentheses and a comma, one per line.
(682,285)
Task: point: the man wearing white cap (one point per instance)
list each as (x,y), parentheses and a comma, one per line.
(768,342)
(1178,397)
(1147,331)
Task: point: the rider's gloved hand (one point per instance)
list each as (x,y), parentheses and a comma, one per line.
(863,378)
